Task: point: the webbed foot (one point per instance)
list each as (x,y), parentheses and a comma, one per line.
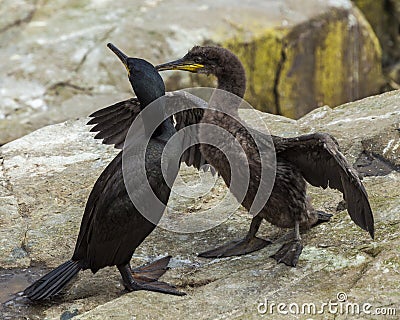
(236,248)
(289,253)
(152,271)
(156,286)
(146,277)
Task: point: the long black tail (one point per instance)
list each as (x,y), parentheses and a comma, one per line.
(51,283)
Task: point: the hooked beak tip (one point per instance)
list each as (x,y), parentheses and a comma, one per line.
(122,56)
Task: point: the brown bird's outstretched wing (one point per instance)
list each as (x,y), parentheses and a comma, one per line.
(322,164)
(112,123)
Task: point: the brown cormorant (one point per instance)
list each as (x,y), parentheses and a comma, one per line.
(314,158)
(112,227)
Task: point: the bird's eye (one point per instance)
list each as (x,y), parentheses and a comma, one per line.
(198,59)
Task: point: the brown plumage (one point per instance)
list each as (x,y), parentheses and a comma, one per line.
(315,158)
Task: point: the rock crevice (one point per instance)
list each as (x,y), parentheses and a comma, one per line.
(277,79)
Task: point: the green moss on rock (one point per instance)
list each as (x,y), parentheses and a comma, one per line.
(330,60)
(261,58)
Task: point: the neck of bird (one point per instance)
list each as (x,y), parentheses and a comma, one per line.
(153,116)
(232,80)
(164,128)
(232,76)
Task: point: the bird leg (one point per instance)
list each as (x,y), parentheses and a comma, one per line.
(239,247)
(290,252)
(132,284)
(152,271)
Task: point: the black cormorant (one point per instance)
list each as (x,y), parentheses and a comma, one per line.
(314,158)
(112,227)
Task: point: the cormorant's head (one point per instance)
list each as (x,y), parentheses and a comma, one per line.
(143,76)
(207,60)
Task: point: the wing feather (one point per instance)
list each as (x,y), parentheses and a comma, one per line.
(112,123)
(322,164)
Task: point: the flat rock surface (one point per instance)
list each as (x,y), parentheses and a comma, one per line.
(45,179)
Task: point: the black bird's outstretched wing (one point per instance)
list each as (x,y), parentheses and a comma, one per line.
(322,164)
(112,123)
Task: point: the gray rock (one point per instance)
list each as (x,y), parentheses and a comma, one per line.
(46,176)
(56,67)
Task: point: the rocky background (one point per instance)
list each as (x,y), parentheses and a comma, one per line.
(384,18)
(46,177)
(298,55)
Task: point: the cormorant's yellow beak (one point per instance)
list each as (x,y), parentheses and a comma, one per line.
(122,56)
(180,64)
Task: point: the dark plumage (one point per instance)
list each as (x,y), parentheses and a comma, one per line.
(112,227)
(314,157)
